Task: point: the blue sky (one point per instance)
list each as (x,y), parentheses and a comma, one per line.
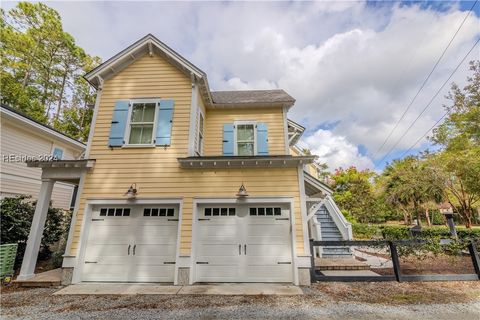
(352,66)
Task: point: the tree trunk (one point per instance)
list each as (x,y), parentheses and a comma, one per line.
(60,97)
(427,216)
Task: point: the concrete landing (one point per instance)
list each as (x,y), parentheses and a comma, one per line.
(207,289)
(243,289)
(52,278)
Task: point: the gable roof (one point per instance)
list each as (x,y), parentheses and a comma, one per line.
(12,113)
(148,45)
(263,97)
(151,45)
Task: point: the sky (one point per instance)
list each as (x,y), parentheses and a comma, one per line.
(352,66)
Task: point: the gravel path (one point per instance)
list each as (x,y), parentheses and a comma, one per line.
(315,304)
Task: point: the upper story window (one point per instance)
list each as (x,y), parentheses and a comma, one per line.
(200,138)
(142,123)
(57,153)
(245,139)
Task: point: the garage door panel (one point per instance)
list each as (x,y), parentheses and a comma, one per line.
(218,230)
(223,250)
(263,229)
(264,241)
(152,242)
(153,250)
(107,232)
(269,249)
(156,230)
(266,273)
(153,273)
(216,260)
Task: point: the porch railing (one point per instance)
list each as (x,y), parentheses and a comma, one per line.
(395,260)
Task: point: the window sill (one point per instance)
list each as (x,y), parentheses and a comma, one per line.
(136,146)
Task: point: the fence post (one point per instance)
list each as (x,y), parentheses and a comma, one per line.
(395,261)
(475,258)
(312,262)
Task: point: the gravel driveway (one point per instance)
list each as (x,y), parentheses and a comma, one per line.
(328,301)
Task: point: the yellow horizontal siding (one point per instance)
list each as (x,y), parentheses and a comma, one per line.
(216,118)
(156,171)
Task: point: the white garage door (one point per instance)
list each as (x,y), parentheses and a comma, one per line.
(243,244)
(131,244)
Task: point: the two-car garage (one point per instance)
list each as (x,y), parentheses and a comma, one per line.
(231,242)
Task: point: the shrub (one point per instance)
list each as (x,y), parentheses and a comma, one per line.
(403,232)
(16,214)
(365,231)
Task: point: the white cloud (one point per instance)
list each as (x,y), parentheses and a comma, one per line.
(349,63)
(336,151)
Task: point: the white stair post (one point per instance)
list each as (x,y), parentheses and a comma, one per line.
(36,231)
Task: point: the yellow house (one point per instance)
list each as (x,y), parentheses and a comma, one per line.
(182,184)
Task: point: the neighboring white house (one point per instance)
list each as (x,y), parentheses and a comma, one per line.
(23,138)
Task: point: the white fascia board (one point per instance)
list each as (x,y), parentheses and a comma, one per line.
(30,124)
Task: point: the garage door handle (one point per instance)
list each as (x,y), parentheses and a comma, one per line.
(203,219)
(91,262)
(134,247)
(128,250)
(245,248)
(98,219)
(284,262)
(282,219)
(239,249)
(168,262)
(201,262)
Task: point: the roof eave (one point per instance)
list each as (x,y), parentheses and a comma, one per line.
(286,104)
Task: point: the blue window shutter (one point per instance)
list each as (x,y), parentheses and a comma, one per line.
(228,139)
(262,139)
(58,153)
(119,121)
(164,122)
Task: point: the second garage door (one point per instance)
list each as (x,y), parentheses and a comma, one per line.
(131,244)
(243,244)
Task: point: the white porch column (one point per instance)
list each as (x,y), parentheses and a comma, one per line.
(36,231)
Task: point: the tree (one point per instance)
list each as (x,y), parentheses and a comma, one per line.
(42,67)
(353,192)
(410,183)
(458,162)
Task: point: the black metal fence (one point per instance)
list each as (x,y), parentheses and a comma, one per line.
(395,260)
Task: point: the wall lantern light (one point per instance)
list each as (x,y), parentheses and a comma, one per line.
(131,193)
(242,192)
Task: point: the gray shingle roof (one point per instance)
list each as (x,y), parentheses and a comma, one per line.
(251,97)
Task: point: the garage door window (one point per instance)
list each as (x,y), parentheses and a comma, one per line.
(216,212)
(158,212)
(266,211)
(115,212)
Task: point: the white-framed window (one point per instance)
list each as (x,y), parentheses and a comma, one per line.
(141,124)
(245,137)
(200,137)
(57,153)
